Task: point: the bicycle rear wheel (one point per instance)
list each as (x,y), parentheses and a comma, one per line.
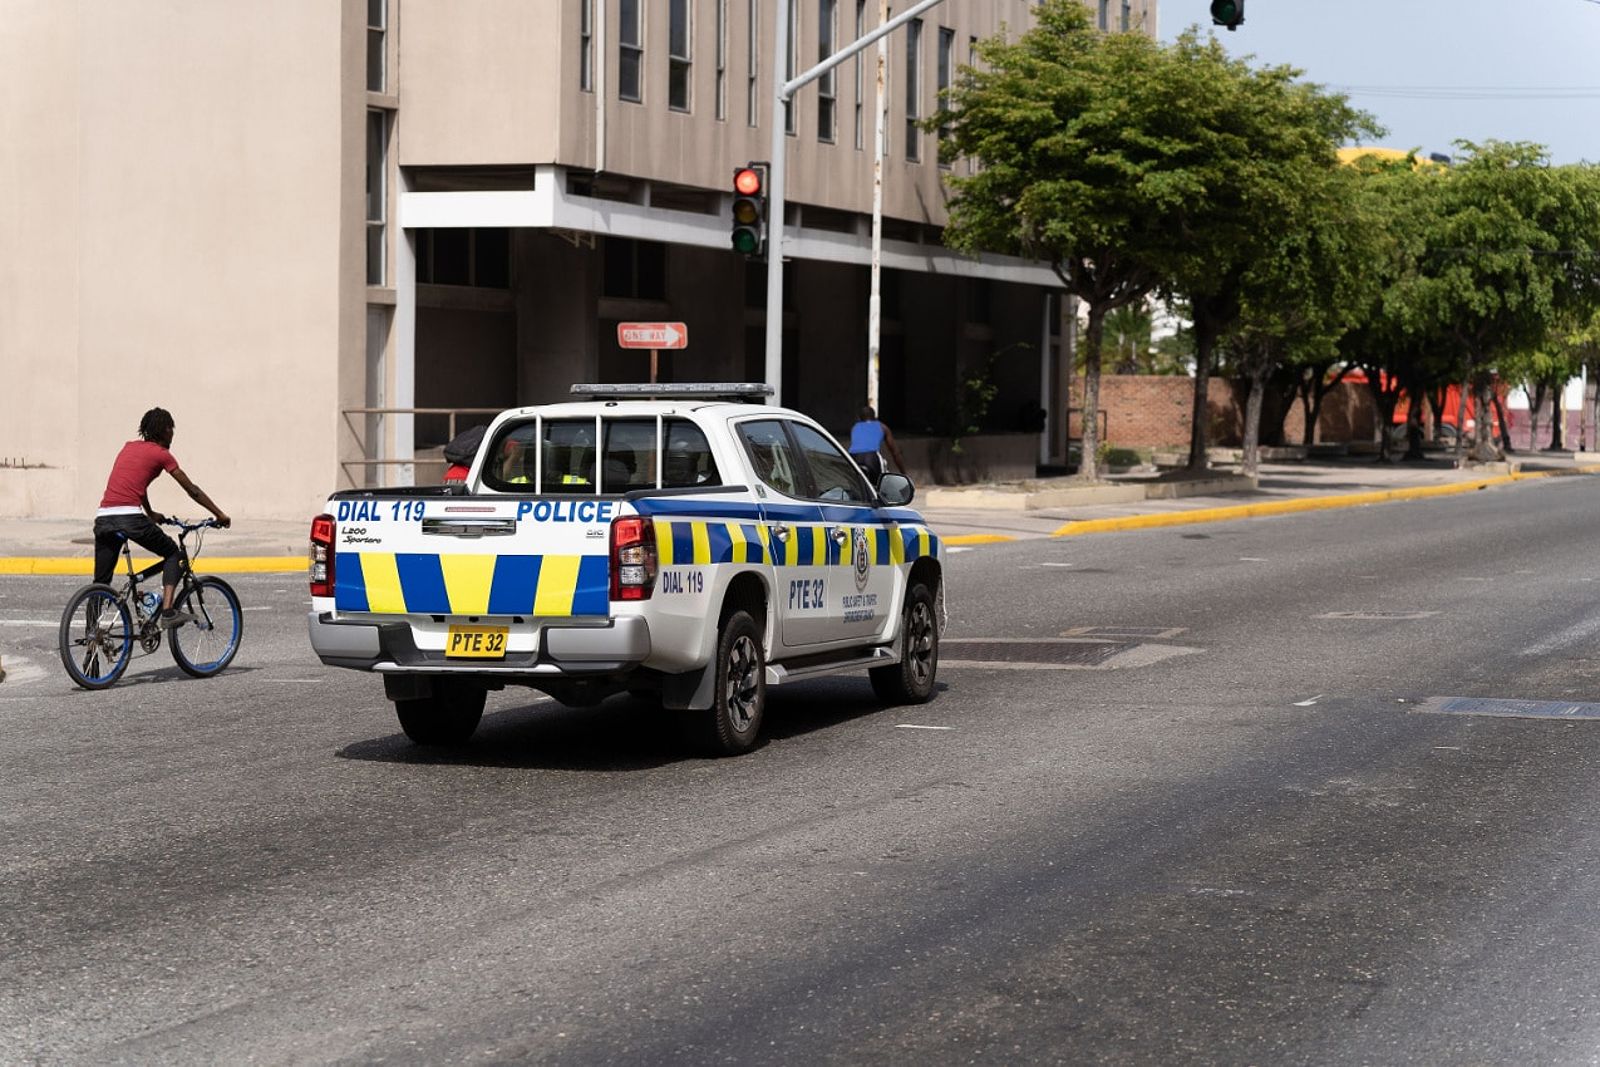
(208,644)
(96,637)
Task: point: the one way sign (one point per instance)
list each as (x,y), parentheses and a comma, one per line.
(652,335)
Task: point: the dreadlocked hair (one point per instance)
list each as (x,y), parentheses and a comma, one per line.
(156,424)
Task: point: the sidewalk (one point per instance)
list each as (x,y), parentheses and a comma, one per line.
(64,546)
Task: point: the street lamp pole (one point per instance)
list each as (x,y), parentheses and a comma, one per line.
(783,92)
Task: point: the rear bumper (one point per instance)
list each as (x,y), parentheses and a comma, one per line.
(563,650)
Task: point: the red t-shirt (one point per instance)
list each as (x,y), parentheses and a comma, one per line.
(138,464)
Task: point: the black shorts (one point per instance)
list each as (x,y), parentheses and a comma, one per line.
(141,531)
(871,465)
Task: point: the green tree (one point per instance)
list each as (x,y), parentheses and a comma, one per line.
(1248,144)
(1067,126)
(1511,251)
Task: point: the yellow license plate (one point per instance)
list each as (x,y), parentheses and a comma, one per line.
(477,642)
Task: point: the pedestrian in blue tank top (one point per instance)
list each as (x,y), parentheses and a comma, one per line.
(868,438)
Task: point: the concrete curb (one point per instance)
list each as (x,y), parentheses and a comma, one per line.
(79,565)
(1087,495)
(1289,507)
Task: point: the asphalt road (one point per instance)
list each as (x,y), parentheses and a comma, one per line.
(1237,835)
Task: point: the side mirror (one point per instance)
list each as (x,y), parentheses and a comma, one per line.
(896,490)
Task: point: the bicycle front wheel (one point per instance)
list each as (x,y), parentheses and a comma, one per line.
(208,644)
(96,637)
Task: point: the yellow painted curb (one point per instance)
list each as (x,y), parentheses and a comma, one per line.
(976,539)
(1288,507)
(80,565)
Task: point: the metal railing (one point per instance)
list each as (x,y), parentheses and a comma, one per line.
(369,461)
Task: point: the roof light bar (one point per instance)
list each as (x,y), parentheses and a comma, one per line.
(674,391)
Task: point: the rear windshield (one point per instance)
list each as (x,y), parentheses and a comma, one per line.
(556,456)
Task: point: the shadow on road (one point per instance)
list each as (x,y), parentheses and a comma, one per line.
(623,733)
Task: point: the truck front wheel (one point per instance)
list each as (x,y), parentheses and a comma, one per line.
(447,717)
(911,680)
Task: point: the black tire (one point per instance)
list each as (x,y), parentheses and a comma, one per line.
(96,637)
(447,718)
(911,680)
(732,724)
(207,645)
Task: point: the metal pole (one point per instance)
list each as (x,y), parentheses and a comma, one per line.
(775,201)
(781,93)
(875,300)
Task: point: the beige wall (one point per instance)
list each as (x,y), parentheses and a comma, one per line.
(178,175)
(497,82)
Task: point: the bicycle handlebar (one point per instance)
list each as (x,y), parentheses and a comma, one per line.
(187,527)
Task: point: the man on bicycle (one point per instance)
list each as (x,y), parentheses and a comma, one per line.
(125,511)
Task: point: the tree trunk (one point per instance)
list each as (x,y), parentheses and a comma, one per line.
(1089,457)
(1535,407)
(1461,421)
(1436,405)
(1205,337)
(1252,420)
(1505,423)
(1414,426)
(1557,416)
(1308,379)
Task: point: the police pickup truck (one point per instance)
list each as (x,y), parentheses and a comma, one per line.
(680,543)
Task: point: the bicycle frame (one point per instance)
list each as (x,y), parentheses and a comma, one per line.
(185,571)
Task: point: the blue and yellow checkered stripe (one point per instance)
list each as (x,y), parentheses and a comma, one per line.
(683,542)
(428,583)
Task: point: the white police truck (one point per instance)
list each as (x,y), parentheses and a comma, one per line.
(685,543)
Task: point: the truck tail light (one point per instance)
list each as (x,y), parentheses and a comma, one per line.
(322,555)
(633,558)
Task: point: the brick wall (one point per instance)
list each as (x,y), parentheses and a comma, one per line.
(1152,411)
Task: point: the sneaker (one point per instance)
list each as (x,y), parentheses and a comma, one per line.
(172,618)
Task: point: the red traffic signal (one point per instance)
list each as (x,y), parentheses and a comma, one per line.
(749,234)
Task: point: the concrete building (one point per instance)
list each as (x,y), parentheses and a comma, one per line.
(315,228)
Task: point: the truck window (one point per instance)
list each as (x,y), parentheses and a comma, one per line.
(515,454)
(834,475)
(687,459)
(568,453)
(772,457)
(630,456)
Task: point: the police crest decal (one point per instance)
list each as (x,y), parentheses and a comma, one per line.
(863,559)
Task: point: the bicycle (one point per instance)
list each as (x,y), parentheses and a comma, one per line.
(101,625)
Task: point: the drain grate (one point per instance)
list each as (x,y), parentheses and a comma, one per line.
(1073,653)
(1376,615)
(1142,633)
(1515,709)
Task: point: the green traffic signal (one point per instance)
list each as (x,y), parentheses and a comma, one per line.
(1229,13)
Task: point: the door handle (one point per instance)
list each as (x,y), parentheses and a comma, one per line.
(839,535)
(780,531)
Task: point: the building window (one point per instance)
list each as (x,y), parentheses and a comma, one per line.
(635,270)
(790,62)
(377,194)
(827,32)
(1103,20)
(722,60)
(1127,16)
(752,100)
(586,45)
(459,256)
(630,51)
(913,90)
(679,57)
(861,17)
(947,58)
(377,23)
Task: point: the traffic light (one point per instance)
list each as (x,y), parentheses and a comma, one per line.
(1229,13)
(749,235)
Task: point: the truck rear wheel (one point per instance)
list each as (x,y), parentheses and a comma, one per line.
(733,722)
(911,680)
(448,717)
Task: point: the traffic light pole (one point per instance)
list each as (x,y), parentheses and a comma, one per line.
(783,92)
